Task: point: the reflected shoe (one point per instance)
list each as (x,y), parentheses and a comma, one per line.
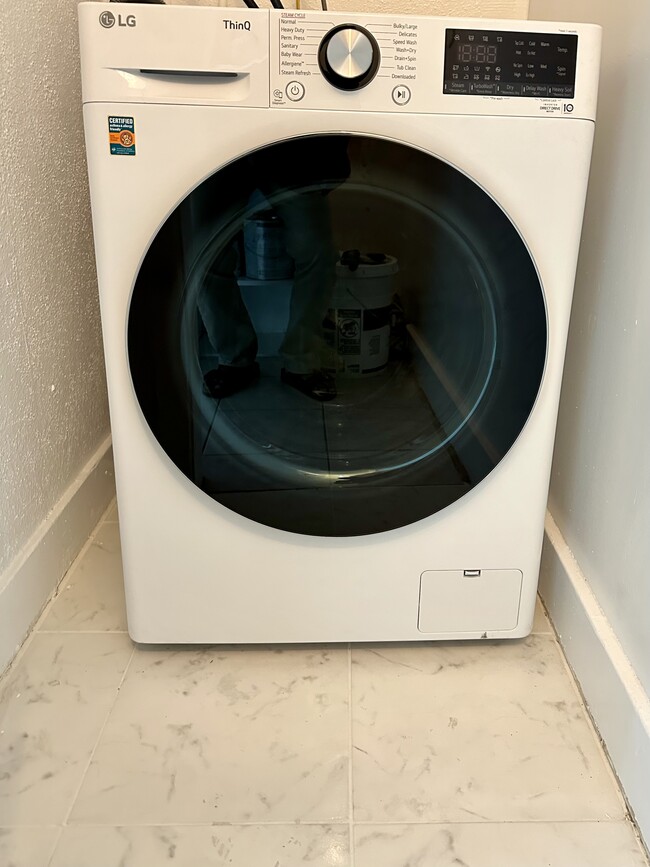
(317,385)
(226,380)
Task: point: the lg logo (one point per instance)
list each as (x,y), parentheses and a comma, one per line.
(107,20)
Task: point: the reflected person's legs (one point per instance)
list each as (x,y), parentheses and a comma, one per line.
(228,327)
(224,314)
(308,237)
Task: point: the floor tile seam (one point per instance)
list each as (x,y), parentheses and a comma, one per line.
(540,602)
(112,505)
(324,823)
(55,845)
(575,683)
(82,553)
(367,823)
(350,759)
(83,632)
(298,823)
(5,676)
(107,510)
(600,745)
(25,826)
(102,728)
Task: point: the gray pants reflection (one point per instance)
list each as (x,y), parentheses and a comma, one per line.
(308,238)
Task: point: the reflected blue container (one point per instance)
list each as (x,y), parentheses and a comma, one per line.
(265,251)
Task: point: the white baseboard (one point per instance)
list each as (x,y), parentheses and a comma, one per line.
(37,570)
(615,697)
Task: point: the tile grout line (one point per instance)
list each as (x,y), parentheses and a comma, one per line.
(575,685)
(82,553)
(5,675)
(83,632)
(350,759)
(367,823)
(98,739)
(55,845)
(325,824)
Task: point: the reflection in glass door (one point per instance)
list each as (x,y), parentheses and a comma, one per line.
(337,335)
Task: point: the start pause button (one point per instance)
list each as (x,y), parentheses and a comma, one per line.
(401,94)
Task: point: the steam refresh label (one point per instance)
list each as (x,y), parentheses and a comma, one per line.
(121,136)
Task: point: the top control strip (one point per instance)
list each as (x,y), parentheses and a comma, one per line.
(410,64)
(361,63)
(506,63)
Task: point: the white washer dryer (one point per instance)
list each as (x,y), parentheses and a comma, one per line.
(247,167)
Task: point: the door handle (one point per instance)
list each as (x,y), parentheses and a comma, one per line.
(192,73)
(218,74)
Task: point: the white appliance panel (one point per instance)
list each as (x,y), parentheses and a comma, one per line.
(196,571)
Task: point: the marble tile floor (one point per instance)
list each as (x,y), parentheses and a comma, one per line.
(448,755)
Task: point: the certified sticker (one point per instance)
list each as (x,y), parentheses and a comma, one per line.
(121,136)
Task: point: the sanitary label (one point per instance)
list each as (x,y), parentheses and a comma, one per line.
(121,136)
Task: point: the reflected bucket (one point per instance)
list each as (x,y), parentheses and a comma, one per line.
(357,327)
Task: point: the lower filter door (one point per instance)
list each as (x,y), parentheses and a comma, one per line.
(470,600)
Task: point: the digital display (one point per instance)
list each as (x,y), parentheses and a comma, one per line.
(475,52)
(504,63)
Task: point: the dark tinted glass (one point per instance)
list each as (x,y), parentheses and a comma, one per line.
(377,263)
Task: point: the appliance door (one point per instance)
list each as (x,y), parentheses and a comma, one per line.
(375,261)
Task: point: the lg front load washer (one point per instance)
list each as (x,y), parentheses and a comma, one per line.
(396,201)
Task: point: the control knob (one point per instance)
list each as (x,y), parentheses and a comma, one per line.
(349,57)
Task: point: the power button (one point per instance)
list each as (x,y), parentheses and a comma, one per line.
(295,90)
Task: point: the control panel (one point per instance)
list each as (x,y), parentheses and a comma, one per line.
(416,64)
(503,63)
(348,55)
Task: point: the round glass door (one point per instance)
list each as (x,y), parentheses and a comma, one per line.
(337,335)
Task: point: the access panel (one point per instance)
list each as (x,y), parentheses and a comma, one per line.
(469,600)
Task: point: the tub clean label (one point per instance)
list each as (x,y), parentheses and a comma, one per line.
(121,136)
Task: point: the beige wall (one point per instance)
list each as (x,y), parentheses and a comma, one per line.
(470,8)
(480,8)
(53,411)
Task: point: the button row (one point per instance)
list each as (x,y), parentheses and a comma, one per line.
(295,91)
(479,88)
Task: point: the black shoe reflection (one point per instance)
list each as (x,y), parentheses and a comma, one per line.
(317,385)
(226,380)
